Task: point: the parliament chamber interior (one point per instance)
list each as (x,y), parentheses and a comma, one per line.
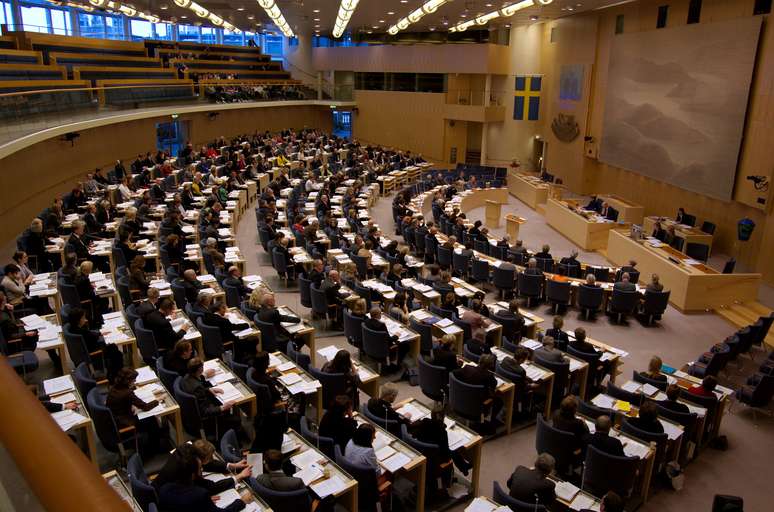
(393,255)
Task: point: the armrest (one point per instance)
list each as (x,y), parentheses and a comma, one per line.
(384,487)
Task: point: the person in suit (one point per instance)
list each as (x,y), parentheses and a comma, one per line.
(382,407)
(157,322)
(580,344)
(601,439)
(375,323)
(571,260)
(624,285)
(271,420)
(654,370)
(482,374)
(183,495)
(121,400)
(630,267)
(611,502)
(561,338)
(79,325)
(338,423)
(512,320)
(77,242)
(595,204)
(93,226)
(444,355)
(191,285)
(444,286)
(647,419)
(475,230)
(235,279)
(654,286)
(206,397)
(532,268)
(680,217)
(545,253)
(670,237)
(176,360)
(330,287)
(658,231)
(274,477)
(565,419)
(216,317)
(137,278)
(149,304)
(271,315)
(706,388)
(317,274)
(518,248)
(606,211)
(533,485)
(671,403)
(549,352)
(591,281)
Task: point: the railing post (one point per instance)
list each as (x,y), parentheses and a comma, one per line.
(319,85)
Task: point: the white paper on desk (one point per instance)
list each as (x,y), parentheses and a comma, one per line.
(410,410)
(58,385)
(631,386)
(381,440)
(649,390)
(245,333)
(309,474)
(227,497)
(330,486)
(480,505)
(634,449)
(67,419)
(289,379)
(64,399)
(287,365)
(575,364)
(51,332)
(230,392)
(531,344)
(144,375)
(306,458)
(606,356)
(582,502)
(457,438)
(141,415)
(385,452)
(32,322)
(565,490)
(671,430)
(603,401)
(206,278)
(395,462)
(292,328)
(255,461)
(288,444)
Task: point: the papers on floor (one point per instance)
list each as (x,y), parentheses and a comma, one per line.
(230,392)
(565,491)
(58,385)
(67,419)
(330,486)
(582,502)
(310,474)
(395,462)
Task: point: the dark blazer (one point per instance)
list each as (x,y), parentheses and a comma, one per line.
(524,484)
(120,402)
(625,287)
(191,289)
(80,245)
(583,346)
(654,427)
(605,443)
(273,316)
(381,409)
(533,271)
(674,405)
(446,358)
(279,481)
(175,364)
(224,325)
(174,497)
(92,338)
(477,376)
(162,329)
(208,404)
(573,425)
(339,428)
(237,283)
(432,431)
(561,339)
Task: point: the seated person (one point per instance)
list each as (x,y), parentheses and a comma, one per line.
(399,310)
(565,419)
(360,449)
(561,338)
(654,370)
(571,260)
(533,485)
(191,285)
(157,322)
(591,281)
(270,425)
(444,355)
(444,286)
(647,420)
(121,400)
(94,342)
(235,279)
(601,439)
(271,315)
(382,407)
(330,287)
(317,273)
(176,360)
(209,406)
(137,279)
(482,374)
(548,351)
(338,423)
(375,323)
(342,363)
(545,253)
(580,344)
(513,365)
(654,285)
(594,204)
(216,317)
(449,306)
(671,403)
(274,477)
(706,388)
(532,268)
(513,321)
(624,285)
(630,267)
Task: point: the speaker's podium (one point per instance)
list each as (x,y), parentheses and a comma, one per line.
(512,225)
(493,214)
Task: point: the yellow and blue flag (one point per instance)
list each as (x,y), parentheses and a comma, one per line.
(526,101)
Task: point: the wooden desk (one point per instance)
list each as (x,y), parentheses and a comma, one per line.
(223,374)
(531,320)
(585,232)
(527,188)
(415,469)
(628,211)
(535,373)
(369,379)
(493,214)
(693,287)
(347,495)
(494,329)
(477,198)
(122,488)
(459,436)
(439,331)
(150,388)
(67,392)
(302,331)
(512,225)
(306,384)
(690,235)
(506,390)
(687,381)
(116,331)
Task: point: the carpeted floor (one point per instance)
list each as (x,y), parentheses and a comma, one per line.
(741,470)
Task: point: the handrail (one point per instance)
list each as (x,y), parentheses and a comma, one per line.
(188,84)
(59,474)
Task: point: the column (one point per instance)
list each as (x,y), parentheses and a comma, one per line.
(483,140)
(487,90)
(319,85)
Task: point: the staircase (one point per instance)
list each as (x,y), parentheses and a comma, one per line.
(746,313)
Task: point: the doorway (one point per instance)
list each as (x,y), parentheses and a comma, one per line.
(172,136)
(539,153)
(342,123)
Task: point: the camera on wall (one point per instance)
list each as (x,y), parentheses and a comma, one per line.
(761,183)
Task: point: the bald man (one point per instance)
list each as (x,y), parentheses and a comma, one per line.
(191,286)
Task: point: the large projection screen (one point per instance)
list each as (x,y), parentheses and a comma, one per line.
(676,103)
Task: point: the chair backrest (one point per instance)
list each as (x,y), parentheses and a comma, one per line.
(283,500)
(505,278)
(233,299)
(561,375)
(189,409)
(325,444)
(319,300)
(433,380)
(269,341)
(304,285)
(444,256)
(238,368)
(279,261)
(333,384)
(592,411)
(178,292)
(104,422)
(644,379)
(376,344)
(655,303)
(545,264)
(678,243)
(558,291)
(460,262)
(603,472)
(353,329)
(602,274)
(648,437)
(298,357)
(621,394)
(83,379)
(469,354)
(69,294)
(481,246)
(559,443)
(590,297)
(142,491)
(76,346)
(708,227)
(425,335)
(167,377)
(229,447)
(500,496)
(529,284)
(697,251)
(361,262)
(624,301)
(728,268)
(367,486)
(465,399)
(146,341)
(479,270)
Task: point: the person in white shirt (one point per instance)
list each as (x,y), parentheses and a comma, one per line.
(124,191)
(360,450)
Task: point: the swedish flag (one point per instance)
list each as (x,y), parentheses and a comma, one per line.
(527,95)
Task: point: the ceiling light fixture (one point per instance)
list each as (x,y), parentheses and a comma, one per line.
(429,7)
(125,10)
(199,11)
(346,10)
(273,11)
(505,12)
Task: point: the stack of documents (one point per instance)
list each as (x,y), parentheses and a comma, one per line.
(230,392)
(67,419)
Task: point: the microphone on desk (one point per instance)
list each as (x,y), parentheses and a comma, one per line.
(537,502)
(386,408)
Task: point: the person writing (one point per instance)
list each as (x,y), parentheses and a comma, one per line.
(533,485)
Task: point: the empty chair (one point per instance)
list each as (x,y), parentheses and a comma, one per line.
(708,227)
(239,369)
(324,444)
(502,497)
(211,339)
(623,303)
(320,306)
(333,384)
(83,378)
(602,274)
(433,380)
(353,329)
(710,363)
(298,357)
(461,263)
(504,279)
(677,243)
(142,490)
(603,473)
(530,286)
(233,299)
(545,264)
(559,443)
(178,292)
(166,376)
(284,270)
(229,447)
(425,335)
(757,392)
(561,377)
(590,299)
(304,287)
(376,344)
(654,304)
(595,375)
(697,251)
(479,271)
(467,400)
(558,293)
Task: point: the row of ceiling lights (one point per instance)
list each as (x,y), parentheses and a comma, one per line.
(505,12)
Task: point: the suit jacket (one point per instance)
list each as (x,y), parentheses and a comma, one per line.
(81,246)
(237,283)
(654,426)
(316,277)
(554,356)
(532,271)
(279,481)
(583,346)
(573,425)
(191,289)
(120,402)
(624,287)
(224,325)
(446,358)
(208,404)
(331,291)
(560,337)
(605,443)
(162,329)
(174,497)
(340,429)
(674,405)
(273,316)
(432,431)
(525,484)
(477,376)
